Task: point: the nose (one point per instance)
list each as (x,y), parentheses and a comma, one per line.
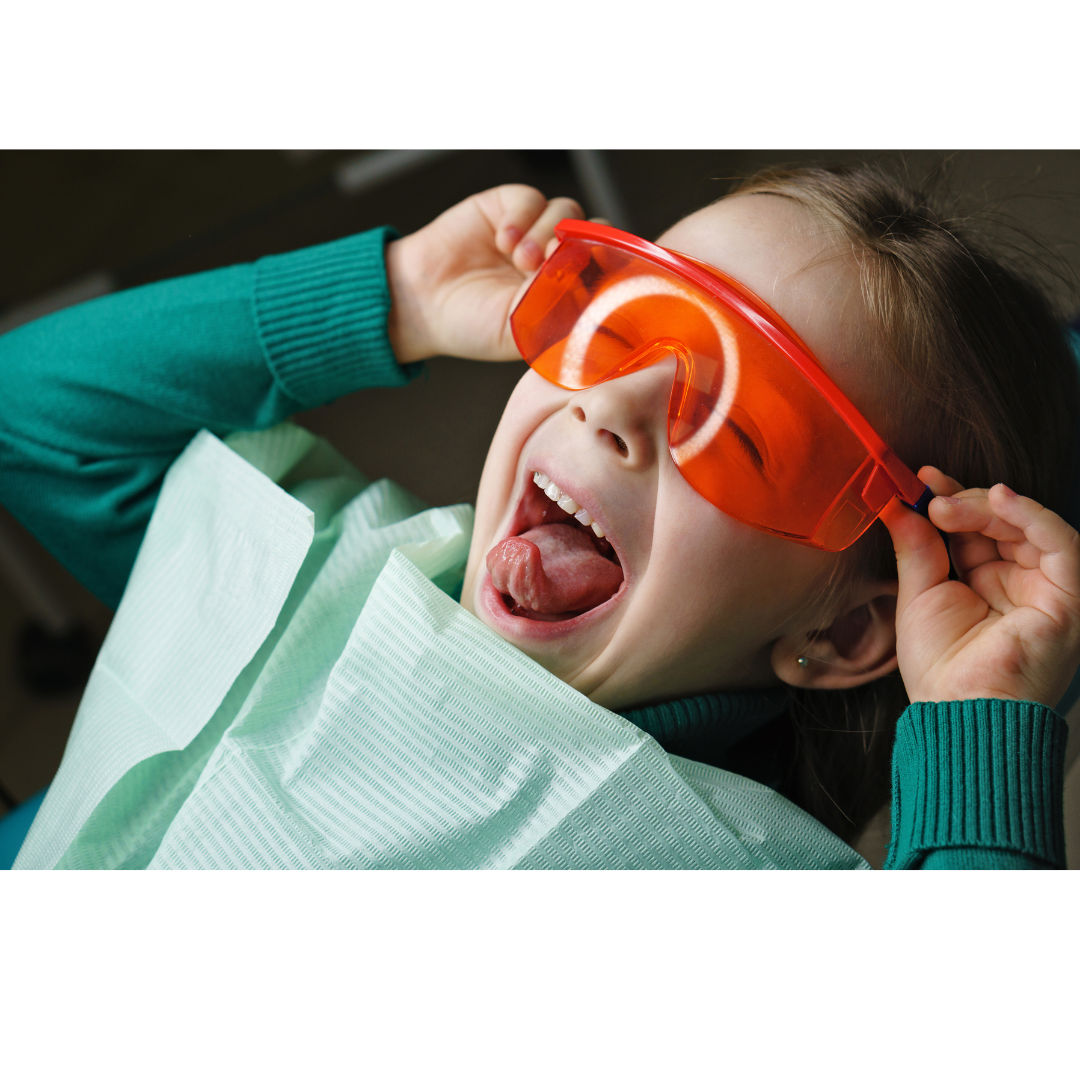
(627,417)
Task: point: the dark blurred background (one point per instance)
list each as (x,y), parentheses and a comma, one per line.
(74,225)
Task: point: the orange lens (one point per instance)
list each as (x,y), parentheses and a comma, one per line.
(746,428)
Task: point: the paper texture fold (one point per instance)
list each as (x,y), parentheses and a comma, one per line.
(287,684)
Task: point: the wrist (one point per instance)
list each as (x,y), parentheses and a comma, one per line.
(405,323)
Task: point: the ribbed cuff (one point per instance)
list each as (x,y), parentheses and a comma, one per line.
(321,314)
(978,774)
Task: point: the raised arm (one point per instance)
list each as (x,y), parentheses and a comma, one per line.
(978,766)
(100,399)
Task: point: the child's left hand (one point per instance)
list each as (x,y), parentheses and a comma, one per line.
(454,282)
(1010,626)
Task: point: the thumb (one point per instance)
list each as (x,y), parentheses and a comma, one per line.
(922,559)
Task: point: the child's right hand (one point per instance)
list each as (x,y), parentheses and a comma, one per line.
(1010,626)
(455,282)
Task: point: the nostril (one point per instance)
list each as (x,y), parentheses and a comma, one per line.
(578,413)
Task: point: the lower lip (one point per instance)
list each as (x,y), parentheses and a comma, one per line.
(533,630)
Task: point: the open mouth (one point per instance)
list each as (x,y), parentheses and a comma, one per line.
(556,563)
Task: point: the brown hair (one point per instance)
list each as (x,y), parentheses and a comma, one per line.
(982,384)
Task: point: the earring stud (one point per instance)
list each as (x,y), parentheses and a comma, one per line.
(803,662)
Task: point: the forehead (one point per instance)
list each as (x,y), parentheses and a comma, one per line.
(796,264)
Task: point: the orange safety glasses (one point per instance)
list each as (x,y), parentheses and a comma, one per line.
(754,423)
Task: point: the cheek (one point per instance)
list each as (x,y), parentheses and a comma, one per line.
(705,574)
(534,399)
(719,579)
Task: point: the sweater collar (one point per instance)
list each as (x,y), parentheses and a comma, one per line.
(706,725)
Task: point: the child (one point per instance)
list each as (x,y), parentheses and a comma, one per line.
(697,610)
(711,603)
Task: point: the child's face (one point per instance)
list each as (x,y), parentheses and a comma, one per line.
(704,598)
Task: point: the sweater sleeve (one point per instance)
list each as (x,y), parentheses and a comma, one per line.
(978,785)
(100,399)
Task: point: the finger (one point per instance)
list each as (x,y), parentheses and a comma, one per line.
(971,512)
(938,482)
(921,559)
(529,253)
(991,583)
(1056,541)
(943,486)
(972,550)
(979,535)
(964,516)
(553,243)
(513,210)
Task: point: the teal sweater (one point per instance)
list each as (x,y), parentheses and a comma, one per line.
(100,399)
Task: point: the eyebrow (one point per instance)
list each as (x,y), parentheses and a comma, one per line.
(748,445)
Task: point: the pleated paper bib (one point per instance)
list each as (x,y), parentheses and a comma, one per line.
(288,684)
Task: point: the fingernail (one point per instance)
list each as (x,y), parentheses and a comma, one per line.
(1006,490)
(947,499)
(513,234)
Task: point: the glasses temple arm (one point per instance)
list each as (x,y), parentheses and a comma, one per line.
(922,503)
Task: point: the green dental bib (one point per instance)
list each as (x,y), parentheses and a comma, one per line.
(287,684)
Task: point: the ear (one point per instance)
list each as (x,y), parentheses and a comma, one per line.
(858,647)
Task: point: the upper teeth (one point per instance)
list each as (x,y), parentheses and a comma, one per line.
(554,493)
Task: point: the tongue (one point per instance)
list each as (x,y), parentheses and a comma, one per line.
(553,569)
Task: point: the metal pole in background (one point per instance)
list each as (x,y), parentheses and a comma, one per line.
(369,170)
(593,172)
